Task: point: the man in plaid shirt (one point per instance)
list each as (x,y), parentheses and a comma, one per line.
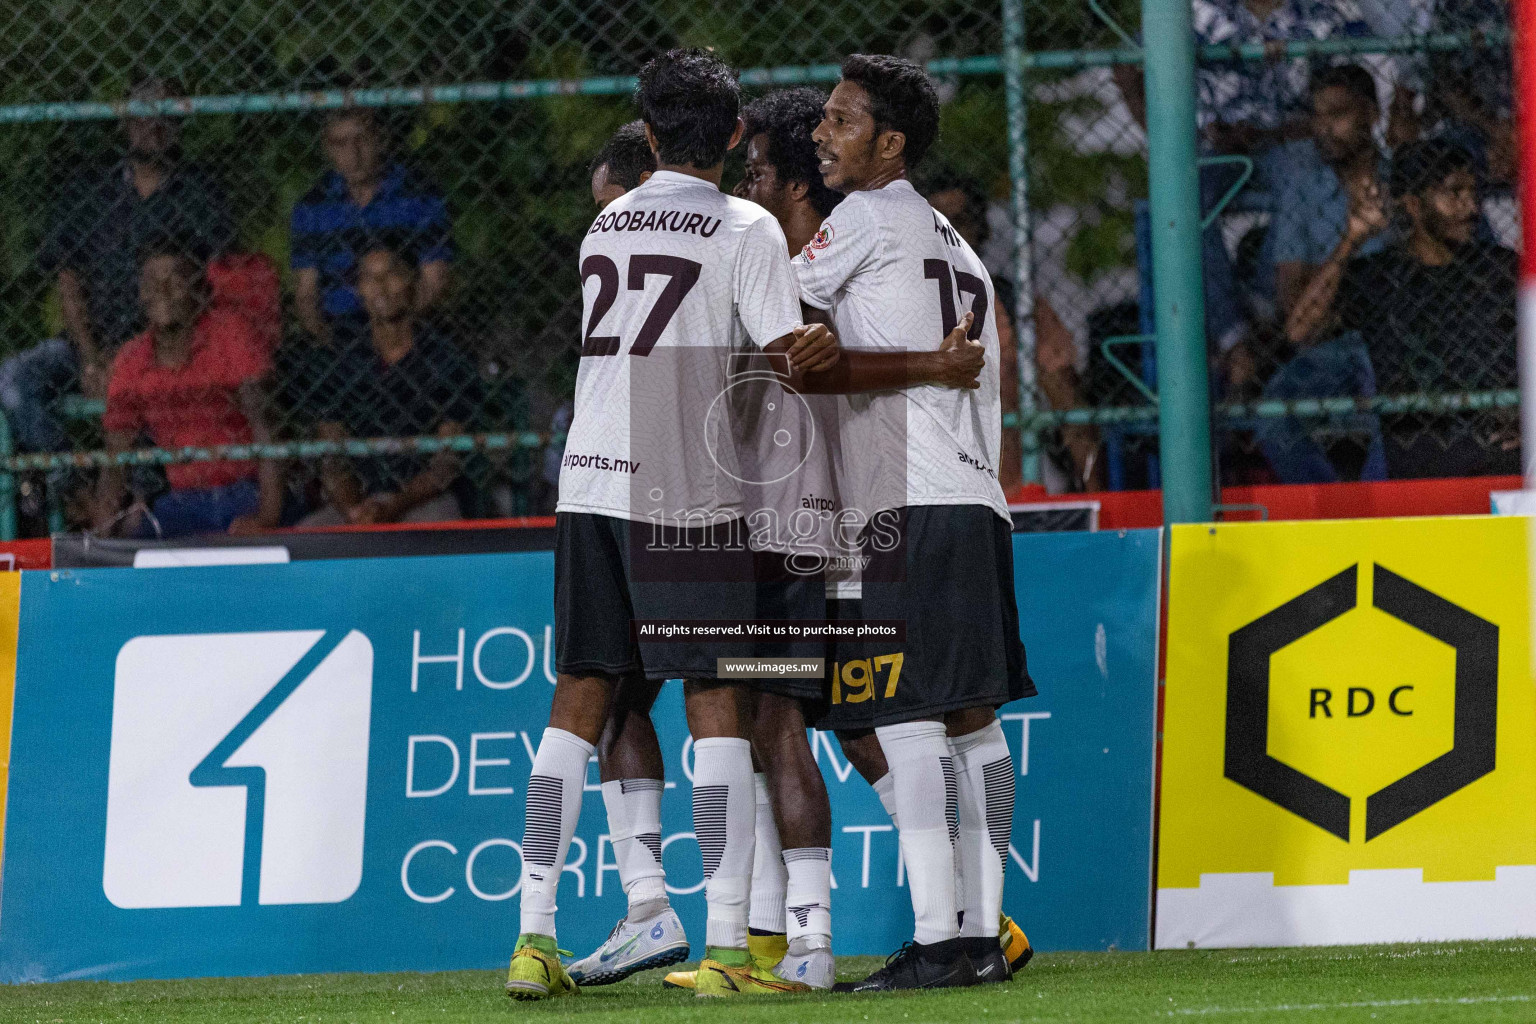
(1246,107)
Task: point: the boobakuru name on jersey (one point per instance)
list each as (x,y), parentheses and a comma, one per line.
(657,220)
(678,279)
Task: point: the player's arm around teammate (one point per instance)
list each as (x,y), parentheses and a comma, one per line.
(683,274)
(889,266)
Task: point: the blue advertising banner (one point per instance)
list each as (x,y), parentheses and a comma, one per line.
(319,766)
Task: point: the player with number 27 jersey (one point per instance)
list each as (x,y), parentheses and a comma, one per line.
(677,276)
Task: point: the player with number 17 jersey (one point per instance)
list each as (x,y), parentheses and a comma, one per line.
(896,276)
(677,276)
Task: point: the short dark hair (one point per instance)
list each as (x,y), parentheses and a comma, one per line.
(901,98)
(787,118)
(1352,78)
(690,99)
(627,155)
(947,179)
(1425,164)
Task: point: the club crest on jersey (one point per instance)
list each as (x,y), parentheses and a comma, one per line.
(821,241)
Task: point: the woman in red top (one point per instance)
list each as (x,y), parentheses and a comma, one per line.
(192,379)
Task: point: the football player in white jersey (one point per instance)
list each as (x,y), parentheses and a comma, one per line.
(677,277)
(890,273)
(628,753)
(782,176)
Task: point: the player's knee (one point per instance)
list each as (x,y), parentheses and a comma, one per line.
(581,705)
(608,742)
(862,749)
(777,724)
(716,709)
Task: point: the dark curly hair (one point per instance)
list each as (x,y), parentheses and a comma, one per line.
(627,155)
(901,99)
(691,99)
(1352,78)
(787,117)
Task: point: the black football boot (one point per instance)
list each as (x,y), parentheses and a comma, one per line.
(936,965)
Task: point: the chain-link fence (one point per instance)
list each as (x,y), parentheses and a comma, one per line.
(289,141)
(458,135)
(1357,176)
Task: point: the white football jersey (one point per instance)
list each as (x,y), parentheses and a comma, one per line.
(897,277)
(676,278)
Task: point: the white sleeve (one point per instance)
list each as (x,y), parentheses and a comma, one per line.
(847,242)
(763,286)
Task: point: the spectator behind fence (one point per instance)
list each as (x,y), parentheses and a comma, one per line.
(1436,312)
(1470,88)
(1329,210)
(365,200)
(410,380)
(1246,108)
(98,226)
(1249,106)
(963,202)
(1328,207)
(193,378)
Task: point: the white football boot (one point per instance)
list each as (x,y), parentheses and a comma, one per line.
(633,946)
(809,962)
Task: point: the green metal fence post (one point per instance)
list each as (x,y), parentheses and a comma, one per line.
(1023,270)
(1183,383)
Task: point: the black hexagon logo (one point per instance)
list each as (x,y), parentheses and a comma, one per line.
(1249,648)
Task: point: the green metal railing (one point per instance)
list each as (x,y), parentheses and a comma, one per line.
(1184,412)
(623,85)
(500,441)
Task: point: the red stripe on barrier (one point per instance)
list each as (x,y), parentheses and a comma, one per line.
(27,554)
(515,522)
(1459,496)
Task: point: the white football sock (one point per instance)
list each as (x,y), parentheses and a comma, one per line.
(984,771)
(925,791)
(885,789)
(724,812)
(810,892)
(553,806)
(634,828)
(769,878)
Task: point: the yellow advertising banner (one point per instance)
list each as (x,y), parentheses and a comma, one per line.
(1349,748)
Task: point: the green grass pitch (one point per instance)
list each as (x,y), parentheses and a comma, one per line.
(1465,981)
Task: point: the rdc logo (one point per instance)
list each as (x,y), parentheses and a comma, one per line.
(239,769)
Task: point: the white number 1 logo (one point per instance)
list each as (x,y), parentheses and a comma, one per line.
(239,769)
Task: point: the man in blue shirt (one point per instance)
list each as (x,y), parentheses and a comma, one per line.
(365,200)
(1329,176)
(1330,209)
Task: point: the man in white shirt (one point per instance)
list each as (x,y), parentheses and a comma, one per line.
(891,274)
